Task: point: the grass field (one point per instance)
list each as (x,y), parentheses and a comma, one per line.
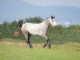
(19,51)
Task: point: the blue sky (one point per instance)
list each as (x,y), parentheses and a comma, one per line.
(66,11)
(75,3)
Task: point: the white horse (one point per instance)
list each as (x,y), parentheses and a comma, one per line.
(40,29)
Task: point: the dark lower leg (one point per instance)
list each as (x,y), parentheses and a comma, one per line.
(45,44)
(28,40)
(49,44)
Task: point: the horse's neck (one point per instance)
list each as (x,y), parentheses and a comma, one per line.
(45,23)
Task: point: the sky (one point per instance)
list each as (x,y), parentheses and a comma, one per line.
(75,3)
(66,12)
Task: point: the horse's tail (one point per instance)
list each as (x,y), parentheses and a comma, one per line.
(17,33)
(20,22)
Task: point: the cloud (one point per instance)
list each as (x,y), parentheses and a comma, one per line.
(67,23)
(0,22)
(75,3)
(64,23)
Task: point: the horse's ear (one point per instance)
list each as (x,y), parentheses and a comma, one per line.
(53,17)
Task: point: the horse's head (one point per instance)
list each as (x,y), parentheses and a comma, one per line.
(52,21)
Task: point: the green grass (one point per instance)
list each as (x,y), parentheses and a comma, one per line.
(68,51)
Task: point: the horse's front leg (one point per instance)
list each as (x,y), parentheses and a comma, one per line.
(48,42)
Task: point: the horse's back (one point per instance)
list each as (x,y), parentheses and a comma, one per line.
(31,28)
(28,25)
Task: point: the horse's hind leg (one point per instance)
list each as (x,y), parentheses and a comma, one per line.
(29,35)
(28,40)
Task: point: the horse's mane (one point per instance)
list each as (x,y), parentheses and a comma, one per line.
(46,18)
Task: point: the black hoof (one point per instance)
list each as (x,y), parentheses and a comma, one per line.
(49,45)
(30,46)
(44,45)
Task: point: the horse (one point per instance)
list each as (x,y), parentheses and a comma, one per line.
(29,29)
